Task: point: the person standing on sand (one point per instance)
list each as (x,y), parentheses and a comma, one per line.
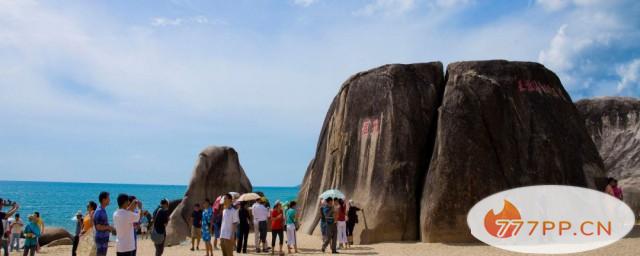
(124,219)
(228,228)
(342,224)
(292,226)
(136,225)
(144,224)
(328,213)
(196,226)
(41,226)
(207,226)
(260,218)
(76,236)
(87,222)
(277,226)
(160,220)
(323,222)
(16,230)
(86,245)
(31,234)
(243,227)
(217,221)
(352,220)
(4,216)
(101,224)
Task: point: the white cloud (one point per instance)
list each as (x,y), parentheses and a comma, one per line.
(386,7)
(585,50)
(452,3)
(629,75)
(161,21)
(553,5)
(561,54)
(304,3)
(164,21)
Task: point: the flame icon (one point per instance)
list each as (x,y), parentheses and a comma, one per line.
(498,224)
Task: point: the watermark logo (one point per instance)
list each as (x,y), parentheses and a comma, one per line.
(498,224)
(550,219)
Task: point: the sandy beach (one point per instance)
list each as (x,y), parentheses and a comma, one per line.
(310,245)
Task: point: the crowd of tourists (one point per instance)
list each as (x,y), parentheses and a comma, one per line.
(337,221)
(227,222)
(15,228)
(223,223)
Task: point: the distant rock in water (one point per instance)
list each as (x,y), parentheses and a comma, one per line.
(614,125)
(374,146)
(501,125)
(217,171)
(52,234)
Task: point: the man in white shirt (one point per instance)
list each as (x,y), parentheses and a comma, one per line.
(260,217)
(124,218)
(228,230)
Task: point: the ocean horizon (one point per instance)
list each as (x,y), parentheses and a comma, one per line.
(58,202)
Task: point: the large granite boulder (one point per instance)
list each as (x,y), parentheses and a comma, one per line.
(217,172)
(501,125)
(374,147)
(52,234)
(614,125)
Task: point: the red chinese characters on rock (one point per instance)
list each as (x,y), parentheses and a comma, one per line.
(541,88)
(365,127)
(370,126)
(376,126)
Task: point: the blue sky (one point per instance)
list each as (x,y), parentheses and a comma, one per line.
(131,91)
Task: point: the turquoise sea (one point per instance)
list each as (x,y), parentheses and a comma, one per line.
(58,202)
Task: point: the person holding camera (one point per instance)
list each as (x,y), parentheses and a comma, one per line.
(4,216)
(124,219)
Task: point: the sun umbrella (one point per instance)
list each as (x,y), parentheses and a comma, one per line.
(333,193)
(249,197)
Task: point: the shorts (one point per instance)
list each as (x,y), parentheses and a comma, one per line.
(196,232)
(206,235)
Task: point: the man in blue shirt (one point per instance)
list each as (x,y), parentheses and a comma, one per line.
(328,214)
(101,223)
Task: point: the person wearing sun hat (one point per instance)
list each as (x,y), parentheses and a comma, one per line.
(76,237)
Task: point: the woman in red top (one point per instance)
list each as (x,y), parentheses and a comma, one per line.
(342,224)
(277,226)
